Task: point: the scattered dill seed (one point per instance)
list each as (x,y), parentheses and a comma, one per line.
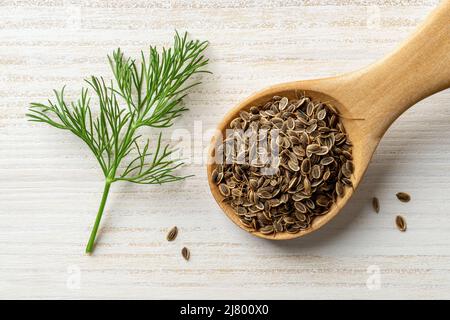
(401,223)
(185,253)
(403,196)
(376,204)
(172,234)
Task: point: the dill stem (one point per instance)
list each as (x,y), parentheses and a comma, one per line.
(90,245)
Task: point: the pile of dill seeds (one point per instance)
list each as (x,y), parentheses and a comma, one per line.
(313,165)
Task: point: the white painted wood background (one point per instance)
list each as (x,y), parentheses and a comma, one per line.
(50,186)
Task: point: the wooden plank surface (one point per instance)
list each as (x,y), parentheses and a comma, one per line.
(50,186)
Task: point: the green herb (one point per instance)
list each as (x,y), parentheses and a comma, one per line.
(143,94)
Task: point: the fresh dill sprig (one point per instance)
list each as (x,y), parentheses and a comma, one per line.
(147,93)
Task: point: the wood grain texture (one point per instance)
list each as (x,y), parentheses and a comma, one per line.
(50,186)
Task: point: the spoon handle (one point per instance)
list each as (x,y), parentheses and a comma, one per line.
(419,68)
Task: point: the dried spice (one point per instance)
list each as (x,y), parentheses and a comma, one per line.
(172,234)
(185,253)
(403,196)
(400,223)
(313,165)
(375,204)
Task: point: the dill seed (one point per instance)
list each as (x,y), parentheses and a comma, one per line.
(313,166)
(172,234)
(224,189)
(403,196)
(401,223)
(185,253)
(375,204)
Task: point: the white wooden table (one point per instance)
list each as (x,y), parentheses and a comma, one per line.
(50,186)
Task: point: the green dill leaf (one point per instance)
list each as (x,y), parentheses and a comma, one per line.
(108,114)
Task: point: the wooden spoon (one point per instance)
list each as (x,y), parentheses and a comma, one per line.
(378,94)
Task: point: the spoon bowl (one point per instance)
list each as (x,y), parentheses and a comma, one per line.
(368,100)
(292,91)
